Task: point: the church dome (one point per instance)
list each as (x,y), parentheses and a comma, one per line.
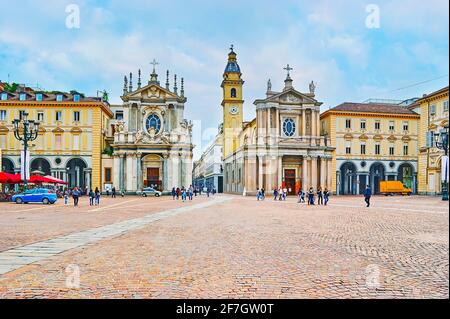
(232,67)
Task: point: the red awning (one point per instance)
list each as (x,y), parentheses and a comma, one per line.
(55,180)
(7,178)
(38,179)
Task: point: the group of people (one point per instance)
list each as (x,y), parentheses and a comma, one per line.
(281,193)
(94,195)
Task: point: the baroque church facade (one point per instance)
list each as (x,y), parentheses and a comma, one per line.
(281,147)
(152,144)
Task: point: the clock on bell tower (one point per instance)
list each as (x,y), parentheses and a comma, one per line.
(232,105)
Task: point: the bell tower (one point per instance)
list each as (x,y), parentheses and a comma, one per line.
(232,105)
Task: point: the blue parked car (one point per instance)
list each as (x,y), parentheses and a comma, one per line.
(36,195)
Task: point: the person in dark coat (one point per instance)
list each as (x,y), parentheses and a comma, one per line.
(319,196)
(174,193)
(91,198)
(367,195)
(311,196)
(326,196)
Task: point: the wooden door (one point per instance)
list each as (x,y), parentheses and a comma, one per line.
(289,177)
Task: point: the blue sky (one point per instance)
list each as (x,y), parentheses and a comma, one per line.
(324,41)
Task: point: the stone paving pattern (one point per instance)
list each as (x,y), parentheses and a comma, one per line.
(241,248)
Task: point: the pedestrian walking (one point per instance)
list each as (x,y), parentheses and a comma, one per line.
(258,194)
(113,192)
(319,196)
(190,192)
(263,194)
(183,195)
(75,196)
(311,196)
(91,198)
(275,194)
(174,193)
(66,196)
(367,195)
(284,193)
(326,195)
(178,192)
(97,196)
(280,193)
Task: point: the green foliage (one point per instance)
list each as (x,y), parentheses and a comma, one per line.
(11,88)
(108,150)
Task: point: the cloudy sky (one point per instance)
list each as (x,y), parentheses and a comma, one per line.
(329,42)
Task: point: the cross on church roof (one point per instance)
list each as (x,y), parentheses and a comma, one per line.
(288,68)
(154,63)
(232,47)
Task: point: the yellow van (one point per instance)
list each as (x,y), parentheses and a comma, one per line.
(394,187)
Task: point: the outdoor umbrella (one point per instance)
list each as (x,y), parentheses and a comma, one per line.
(7,178)
(55,180)
(39,179)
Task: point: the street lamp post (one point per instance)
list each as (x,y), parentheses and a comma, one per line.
(30,132)
(441,141)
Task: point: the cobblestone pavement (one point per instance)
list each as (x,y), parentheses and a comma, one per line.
(239,248)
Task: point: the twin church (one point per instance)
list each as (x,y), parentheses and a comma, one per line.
(282,146)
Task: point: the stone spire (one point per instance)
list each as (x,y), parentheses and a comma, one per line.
(125,84)
(130,87)
(175,89)
(139,79)
(167,81)
(182,87)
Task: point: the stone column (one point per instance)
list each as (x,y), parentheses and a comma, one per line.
(303,122)
(305,171)
(329,174)
(280,171)
(165,185)
(260,172)
(323,172)
(139,171)
(129,172)
(122,172)
(314,172)
(358,187)
(116,171)
(181,170)
(313,127)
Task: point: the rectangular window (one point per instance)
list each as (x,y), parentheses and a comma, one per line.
(40,116)
(76,98)
(377,125)
(348,148)
(391,125)
(119,115)
(59,98)
(107,174)
(363,149)
(58,116)
(405,126)
(76,116)
(363,124)
(348,123)
(4,96)
(391,149)
(22,96)
(2,115)
(377,149)
(58,142)
(446,106)
(39,97)
(405,149)
(76,142)
(432,110)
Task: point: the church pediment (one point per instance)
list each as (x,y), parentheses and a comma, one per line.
(152,91)
(291,96)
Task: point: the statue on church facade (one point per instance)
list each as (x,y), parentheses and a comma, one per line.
(312,87)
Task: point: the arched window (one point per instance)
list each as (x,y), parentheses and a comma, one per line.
(233,92)
(289,127)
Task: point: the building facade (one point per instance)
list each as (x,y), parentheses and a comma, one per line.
(208,170)
(433,110)
(281,147)
(373,142)
(152,144)
(71,136)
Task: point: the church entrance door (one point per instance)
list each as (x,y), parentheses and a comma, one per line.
(289,178)
(153,179)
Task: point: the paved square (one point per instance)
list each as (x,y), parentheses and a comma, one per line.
(226,247)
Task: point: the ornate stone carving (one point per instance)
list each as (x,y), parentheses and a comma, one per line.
(119,127)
